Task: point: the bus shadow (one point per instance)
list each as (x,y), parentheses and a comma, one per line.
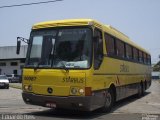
(66,114)
(127,100)
(72,114)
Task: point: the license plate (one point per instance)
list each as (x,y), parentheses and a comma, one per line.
(51,105)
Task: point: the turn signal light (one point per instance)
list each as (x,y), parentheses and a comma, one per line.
(88,91)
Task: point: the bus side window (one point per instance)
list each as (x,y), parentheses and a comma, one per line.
(110,45)
(148,59)
(140,56)
(120,48)
(135,54)
(98,48)
(145,58)
(129,53)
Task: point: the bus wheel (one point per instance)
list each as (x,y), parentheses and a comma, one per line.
(109,100)
(145,84)
(143,88)
(139,94)
(140,90)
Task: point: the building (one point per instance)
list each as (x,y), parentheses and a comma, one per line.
(156,71)
(10,62)
(156,67)
(155,75)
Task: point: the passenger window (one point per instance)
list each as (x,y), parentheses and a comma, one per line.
(128,52)
(148,59)
(135,54)
(145,57)
(110,45)
(120,48)
(140,56)
(98,48)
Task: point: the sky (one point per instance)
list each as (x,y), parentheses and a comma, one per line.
(138,19)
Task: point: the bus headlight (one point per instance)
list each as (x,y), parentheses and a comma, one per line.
(74,91)
(28,87)
(25,87)
(77,91)
(81,91)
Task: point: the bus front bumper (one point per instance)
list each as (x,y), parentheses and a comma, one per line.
(82,103)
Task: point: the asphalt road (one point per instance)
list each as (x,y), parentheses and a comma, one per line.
(145,108)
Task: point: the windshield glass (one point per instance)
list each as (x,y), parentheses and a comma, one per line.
(60,48)
(3,77)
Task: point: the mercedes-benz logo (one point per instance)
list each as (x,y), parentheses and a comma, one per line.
(50,90)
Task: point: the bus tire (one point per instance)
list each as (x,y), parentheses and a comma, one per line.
(145,85)
(143,88)
(109,101)
(139,94)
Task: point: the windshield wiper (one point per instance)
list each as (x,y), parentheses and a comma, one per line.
(37,65)
(64,66)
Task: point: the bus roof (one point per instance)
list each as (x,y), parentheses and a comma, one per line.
(84,22)
(68,22)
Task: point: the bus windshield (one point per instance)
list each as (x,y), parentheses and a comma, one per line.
(60,48)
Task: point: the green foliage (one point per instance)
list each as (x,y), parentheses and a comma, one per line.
(156,67)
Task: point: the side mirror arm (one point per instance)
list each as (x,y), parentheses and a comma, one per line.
(19,39)
(23,39)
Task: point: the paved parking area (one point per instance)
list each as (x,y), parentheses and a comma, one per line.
(149,103)
(131,108)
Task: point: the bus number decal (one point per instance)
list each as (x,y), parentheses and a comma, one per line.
(29,78)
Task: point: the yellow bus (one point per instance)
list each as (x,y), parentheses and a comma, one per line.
(81,64)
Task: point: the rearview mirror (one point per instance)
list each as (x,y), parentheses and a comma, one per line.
(18,46)
(19,39)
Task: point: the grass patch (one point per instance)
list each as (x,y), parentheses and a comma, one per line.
(15,86)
